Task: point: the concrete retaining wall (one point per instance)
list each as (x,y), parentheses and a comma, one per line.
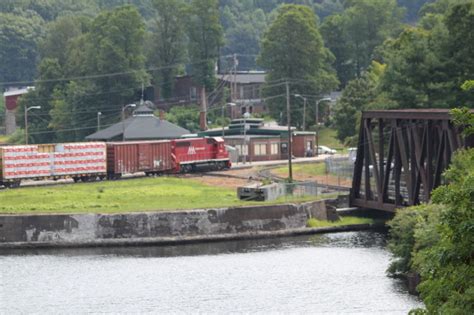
(90,229)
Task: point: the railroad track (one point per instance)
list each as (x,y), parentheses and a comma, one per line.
(70,181)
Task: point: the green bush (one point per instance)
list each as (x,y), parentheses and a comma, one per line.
(437,241)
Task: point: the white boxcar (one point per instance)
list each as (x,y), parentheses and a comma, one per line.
(81,160)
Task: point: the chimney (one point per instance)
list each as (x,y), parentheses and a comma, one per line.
(162,114)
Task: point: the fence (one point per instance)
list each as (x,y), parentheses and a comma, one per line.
(341,167)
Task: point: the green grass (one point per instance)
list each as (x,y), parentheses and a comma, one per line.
(314,223)
(313,169)
(3,139)
(327,137)
(145,194)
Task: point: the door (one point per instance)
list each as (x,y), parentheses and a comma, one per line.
(144,157)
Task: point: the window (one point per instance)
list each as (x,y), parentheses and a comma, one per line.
(183,144)
(192,92)
(243,149)
(260,149)
(274,149)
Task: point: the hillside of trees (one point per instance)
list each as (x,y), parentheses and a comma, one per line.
(94,55)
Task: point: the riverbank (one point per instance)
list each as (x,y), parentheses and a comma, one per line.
(164,228)
(168,241)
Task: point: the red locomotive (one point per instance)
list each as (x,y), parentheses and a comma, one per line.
(97,160)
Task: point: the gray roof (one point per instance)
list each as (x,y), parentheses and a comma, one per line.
(244,78)
(140,128)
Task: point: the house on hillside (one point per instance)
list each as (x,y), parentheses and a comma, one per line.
(245,88)
(142,125)
(11,98)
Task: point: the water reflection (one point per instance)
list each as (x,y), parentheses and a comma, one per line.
(352,239)
(332,273)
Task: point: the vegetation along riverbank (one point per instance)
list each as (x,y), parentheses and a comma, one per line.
(436,241)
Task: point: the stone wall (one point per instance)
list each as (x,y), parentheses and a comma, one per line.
(87,229)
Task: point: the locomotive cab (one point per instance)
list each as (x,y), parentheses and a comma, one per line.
(200,154)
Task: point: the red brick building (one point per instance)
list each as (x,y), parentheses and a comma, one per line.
(256,141)
(11,103)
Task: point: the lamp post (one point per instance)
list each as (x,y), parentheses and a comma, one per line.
(246,115)
(98,120)
(223,108)
(326,99)
(304,109)
(288,121)
(27,109)
(123,118)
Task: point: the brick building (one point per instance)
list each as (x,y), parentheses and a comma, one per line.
(11,98)
(257,141)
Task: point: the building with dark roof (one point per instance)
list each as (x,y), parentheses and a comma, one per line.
(143,125)
(257,141)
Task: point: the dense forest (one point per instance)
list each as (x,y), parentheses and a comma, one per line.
(94,55)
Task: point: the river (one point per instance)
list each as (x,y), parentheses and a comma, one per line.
(340,273)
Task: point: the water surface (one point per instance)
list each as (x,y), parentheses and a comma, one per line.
(340,273)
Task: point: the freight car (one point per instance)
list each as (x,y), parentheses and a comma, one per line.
(96,160)
(80,161)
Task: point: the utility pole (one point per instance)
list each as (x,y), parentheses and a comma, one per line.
(304,109)
(326,99)
(304,114)
(203,113)
(236,63)
(288,120)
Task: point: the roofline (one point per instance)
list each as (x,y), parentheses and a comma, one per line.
(420,114)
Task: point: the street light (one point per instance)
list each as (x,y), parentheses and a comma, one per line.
(304,109)
(27,109)
(98,120)
(325,99)
(246,115)
(123,118)
(223,108)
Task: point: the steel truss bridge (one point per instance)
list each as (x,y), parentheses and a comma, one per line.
(401,155)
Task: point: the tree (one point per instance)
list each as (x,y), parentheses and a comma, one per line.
(243,33)
(185,116)
(100,68)
(336,38)
(19,35)
(168,38)
(427,65)
(205,38)
(459,55)
(114,52)
(360,94)
(355,97)
(411,62)
(293,50)
(354,34)
(412,8)
(38,121)
(59,35)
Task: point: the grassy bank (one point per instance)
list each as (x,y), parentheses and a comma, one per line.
(313,169)
(144,194)
(327,137)
(314,223)
(3,139)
